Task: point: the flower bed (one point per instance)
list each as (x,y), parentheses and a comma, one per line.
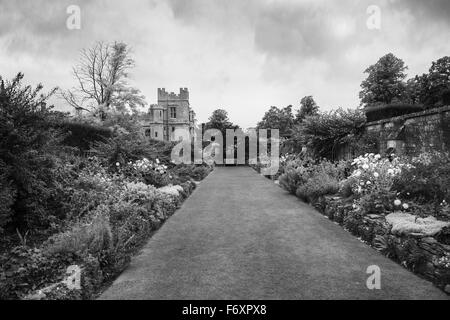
(428,256)
(109,215)
(387,203)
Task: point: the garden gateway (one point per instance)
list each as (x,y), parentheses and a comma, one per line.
(261,146)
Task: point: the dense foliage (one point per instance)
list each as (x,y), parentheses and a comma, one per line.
(309,179)
(81,135)
(28,149)
(322,134)
(379,112)
(62,206)
(276,118)
(384,83)
(427,181)
(375,185)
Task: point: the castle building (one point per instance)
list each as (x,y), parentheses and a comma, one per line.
(172,119)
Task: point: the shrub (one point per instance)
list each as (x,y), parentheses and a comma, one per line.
(322,134)
(7,199)
(294,176)
(426,181)
(91,237)
(376,202)
(319,185)
(187,172)
(385,111)
(24,269)
(132,147)
(308,180)
(92,187)
(346,187)
(82,135)
(373,173)
(446,98)
(28,146)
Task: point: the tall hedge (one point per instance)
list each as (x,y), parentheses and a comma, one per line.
(82,135)
(386,111)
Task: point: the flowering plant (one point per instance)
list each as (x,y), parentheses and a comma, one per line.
(373,173)
(144,166)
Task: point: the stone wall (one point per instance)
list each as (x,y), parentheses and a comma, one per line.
(426,256)
(413,133)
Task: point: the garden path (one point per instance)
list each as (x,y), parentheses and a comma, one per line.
(239,236)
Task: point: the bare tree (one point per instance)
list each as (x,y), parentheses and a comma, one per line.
(102,85)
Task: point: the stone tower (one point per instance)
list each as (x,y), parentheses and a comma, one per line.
(171,119)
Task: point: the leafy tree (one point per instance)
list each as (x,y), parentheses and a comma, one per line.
(385,81)
(431,89)
(219,120)
(438,82)
(275,118)
(27,146)
(308,107)
(417,89)
(102,75)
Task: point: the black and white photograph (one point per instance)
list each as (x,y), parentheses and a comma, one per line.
(224,158)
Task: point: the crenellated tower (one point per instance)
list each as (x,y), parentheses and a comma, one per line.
(171,118)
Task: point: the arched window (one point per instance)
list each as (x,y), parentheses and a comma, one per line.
(148,133)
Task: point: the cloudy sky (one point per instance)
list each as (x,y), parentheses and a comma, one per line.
(240,55)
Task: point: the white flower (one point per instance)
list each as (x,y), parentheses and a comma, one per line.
(117,164)
(376,175)
(369,183)
(365,167)
(377,157)
(157,161)
(397,202)
(405,206)
(357,173)
(390,171)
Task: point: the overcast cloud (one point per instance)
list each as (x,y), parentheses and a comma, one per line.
(243,56)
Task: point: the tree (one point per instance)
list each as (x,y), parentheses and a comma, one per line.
(102,86)
(438,82)
(308,107)
(275,118)
(417,89)
(432,89)
(219,120)
(385,82)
